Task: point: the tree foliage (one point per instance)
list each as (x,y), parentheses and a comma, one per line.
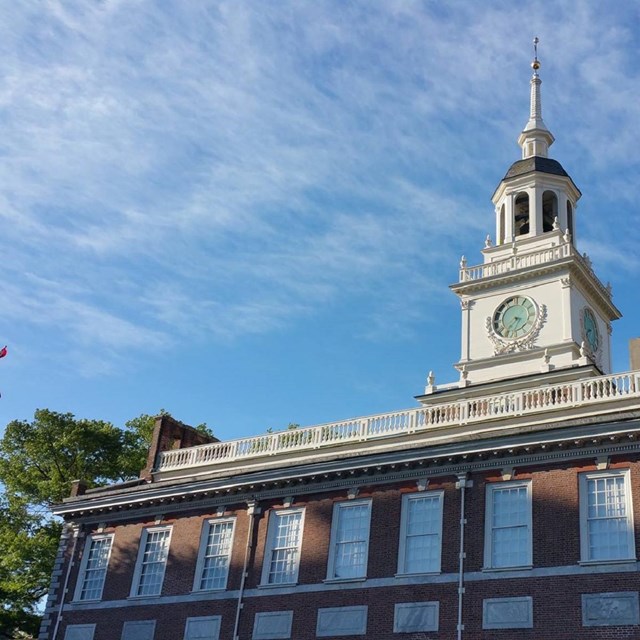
(38,462)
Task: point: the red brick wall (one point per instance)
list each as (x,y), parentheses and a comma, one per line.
(556,542)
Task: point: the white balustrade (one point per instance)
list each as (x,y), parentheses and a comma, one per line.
(525,260)
(527,401)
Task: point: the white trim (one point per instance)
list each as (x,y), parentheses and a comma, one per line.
(213,621)
(491,489)
(273,516)
(83,566)
(207,525)
(416,580)
(404,521)
(584,479)
(338,509)
(137,574)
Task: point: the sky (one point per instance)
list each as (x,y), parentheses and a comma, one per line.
(248,213)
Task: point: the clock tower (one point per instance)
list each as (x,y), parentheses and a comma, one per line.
(534,305)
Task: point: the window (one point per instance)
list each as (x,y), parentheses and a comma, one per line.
(549,210)
(215,553)
(80,632)
(349,548)
(508,525)
(151,563)
(521,215)
(606,522)
(420,533)
(282,554)
(93,568)
(138,630)
(203,628)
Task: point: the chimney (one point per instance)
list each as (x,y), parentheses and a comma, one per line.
(634,353)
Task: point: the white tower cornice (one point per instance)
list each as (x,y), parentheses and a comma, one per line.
(535,138)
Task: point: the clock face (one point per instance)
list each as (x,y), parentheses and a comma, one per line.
(590,330)
(515,317)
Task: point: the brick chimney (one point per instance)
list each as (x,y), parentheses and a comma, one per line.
(169,434)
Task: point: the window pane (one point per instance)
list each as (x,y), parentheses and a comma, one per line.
(351,541)
(153,563)
(215,566)
(284,552)
(422,534)
(510,531)
(95,569)
(608,524)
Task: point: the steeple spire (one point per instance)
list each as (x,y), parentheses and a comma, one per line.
(535,139)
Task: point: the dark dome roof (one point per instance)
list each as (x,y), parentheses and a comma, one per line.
(535,163)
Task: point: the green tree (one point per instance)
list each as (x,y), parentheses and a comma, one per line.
(38,462)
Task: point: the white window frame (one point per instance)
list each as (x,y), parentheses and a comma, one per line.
(212,620)
(407,498)
(82,573)
(137,574)
(204,540)
(493,487)
(338,509)
(270,548)
(584,479)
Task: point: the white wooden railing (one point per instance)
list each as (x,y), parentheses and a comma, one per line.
(525,260)
(526,401)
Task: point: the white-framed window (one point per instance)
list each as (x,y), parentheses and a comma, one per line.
(151,562)
(93,567)
(606,516)
(282,552)
(508,538)
(421,532)
(349,546)
(203,628)
(216,542)
(80,632)
(138,630)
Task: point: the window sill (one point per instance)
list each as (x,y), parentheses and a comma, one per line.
(343,580)
(144,597)
(279,584)
(591,563)
(524,567)
(218,590)
(418,574)
(86,601)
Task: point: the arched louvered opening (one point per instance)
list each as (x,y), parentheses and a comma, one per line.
(570,218)
(521,215)
(549,210)
(501,225)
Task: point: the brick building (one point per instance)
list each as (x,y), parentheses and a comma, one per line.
(501,506)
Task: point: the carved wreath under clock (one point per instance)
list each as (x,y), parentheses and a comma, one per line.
(515,324)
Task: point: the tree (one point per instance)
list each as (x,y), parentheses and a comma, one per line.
(38,462)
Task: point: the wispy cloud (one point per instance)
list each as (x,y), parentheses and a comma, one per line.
(223,169)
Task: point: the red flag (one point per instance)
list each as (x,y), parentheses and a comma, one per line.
(3,351)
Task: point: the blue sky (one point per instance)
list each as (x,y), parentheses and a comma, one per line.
(248,213)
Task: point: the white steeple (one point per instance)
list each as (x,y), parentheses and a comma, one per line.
(535,138)
(534,306)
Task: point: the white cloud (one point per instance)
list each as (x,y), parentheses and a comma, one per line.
(218,170)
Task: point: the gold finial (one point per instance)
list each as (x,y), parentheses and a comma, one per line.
(535,65)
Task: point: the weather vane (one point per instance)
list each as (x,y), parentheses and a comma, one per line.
(535,65)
